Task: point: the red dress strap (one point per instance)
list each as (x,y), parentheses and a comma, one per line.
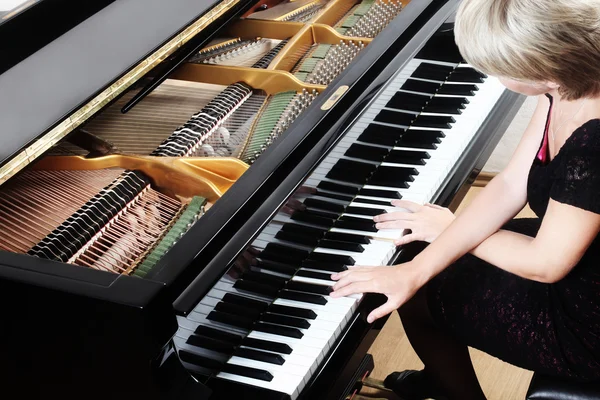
(544,152)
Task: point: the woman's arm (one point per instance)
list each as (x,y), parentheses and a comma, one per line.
(564,236)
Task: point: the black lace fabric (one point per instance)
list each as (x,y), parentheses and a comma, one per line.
(553,329)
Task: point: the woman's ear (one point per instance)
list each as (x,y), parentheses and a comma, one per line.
(552,85)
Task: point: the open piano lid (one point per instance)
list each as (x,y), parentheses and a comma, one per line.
(50,92)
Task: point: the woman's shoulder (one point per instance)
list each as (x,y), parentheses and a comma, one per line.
(586,137)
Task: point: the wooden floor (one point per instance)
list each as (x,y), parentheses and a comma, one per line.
(392,352)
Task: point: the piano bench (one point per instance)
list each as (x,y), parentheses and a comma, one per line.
(549,388)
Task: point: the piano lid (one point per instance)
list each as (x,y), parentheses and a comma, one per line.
(58,87)
(10,8)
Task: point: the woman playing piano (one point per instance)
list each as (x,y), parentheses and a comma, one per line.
(526,291)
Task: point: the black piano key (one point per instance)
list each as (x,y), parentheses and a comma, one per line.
(256,288)
(432,136)
(408,157)
(200,361)
(229,319)
(236,309)
(454,102)
(295,311)
(346,246)
(347,176)
(354,166)
(408,101)
(365,152)
(443,109)
(467,75)
(315,275)
(233,298)
(213,333)
(376,202)
(335,196)
(338,187)
(309,288)
(427,140)
(381,134)
(347,237)
(364,211)
(321,213)
(279,252)
(259,356)
(432,72)
(249,372)
(397,171)
(392,177)
(276,266)
(267,345)
(434,121)
(396,117)
(441,47)
(303,230)
(386,194)
(267,279)
(324,205)
(303,297)
(324,265)
(333,258)
(310,241)
(415,85)
(458,90)
(279,330)
(399,178)
(211,344)
(356,224)
(285,321)
(312,218)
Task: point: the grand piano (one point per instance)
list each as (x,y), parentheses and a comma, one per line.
(178,180)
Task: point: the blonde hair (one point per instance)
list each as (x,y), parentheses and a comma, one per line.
(534,41)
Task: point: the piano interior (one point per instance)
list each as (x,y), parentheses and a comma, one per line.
(118,192)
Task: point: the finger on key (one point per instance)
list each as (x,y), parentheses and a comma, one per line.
(406,239)
(395,225)
(354,288)
(409,205)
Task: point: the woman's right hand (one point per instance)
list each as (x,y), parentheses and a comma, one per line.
(426,222)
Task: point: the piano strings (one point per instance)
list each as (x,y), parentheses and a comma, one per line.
(368,18)
(109,219)
(241,53)
(41,201)
(322,63)
(291,11)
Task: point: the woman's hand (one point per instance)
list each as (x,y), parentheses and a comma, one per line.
(399,283)
(425,222)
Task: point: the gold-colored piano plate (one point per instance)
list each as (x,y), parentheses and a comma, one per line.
(326,34)
(181,177)
(35,150)
(252,28)
(301,43)
(334,11)
(284,10)
(271,82)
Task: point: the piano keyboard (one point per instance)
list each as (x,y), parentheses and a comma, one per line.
(269,322)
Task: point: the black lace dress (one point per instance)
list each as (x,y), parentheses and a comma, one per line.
(553,329)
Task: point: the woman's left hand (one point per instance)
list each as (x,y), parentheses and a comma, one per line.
(399,283)
(426,222)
